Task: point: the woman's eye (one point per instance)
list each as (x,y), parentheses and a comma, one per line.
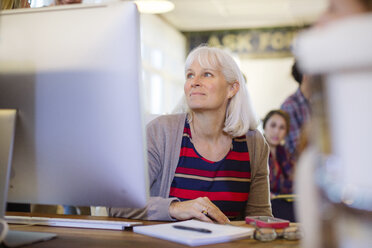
(189,75)
(208,74)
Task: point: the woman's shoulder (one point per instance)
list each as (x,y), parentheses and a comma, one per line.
(165,128)
(166,123)
(256,135)
(256,140)
(167,120)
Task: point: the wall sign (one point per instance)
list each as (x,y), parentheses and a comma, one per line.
(252,43)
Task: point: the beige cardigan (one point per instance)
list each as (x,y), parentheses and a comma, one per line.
(164,137)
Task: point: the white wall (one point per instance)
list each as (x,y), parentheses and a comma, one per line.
(163,56)
(269,82)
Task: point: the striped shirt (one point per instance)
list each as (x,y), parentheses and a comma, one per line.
(226,182)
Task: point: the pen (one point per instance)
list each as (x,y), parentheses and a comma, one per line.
(195,229)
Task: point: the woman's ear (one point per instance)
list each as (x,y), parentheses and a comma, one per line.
(233,89)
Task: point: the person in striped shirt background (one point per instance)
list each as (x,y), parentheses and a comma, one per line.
(210,163)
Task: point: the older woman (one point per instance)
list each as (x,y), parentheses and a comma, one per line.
(209,164)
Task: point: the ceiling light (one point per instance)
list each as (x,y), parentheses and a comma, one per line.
(154,6)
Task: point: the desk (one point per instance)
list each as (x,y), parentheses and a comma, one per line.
(92,238)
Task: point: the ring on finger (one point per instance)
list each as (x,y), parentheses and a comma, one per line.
(205,211)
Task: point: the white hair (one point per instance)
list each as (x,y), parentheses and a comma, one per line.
(240,115)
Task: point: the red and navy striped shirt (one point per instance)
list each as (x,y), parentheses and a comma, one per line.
(226,182)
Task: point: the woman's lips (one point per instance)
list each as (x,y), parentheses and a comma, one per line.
(196,94)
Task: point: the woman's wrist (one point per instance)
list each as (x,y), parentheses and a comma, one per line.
(171,209)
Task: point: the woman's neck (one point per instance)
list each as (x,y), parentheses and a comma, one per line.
(208,126)
(273,151)
(208,136)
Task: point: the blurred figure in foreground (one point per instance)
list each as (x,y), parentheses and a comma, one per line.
(333,174)
(339,9)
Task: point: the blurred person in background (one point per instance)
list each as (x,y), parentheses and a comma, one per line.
(276,125)
(297,106)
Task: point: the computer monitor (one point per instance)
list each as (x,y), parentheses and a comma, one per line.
(73,75)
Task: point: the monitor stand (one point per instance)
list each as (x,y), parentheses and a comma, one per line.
(7,130)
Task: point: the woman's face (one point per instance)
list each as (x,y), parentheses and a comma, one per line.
(275,130)
(206,88)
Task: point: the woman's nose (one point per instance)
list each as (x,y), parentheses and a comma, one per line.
(276,130)
(195,81)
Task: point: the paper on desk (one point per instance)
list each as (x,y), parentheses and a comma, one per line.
(220,233)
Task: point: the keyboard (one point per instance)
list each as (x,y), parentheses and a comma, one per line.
(79,223)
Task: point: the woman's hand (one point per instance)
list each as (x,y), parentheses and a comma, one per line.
(201,208)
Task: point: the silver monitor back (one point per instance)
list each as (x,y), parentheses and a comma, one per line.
(73,74)
(7,127)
